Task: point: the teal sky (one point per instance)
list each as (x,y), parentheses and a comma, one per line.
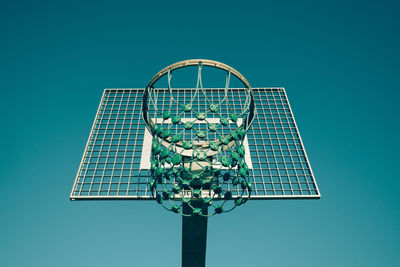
(338,60)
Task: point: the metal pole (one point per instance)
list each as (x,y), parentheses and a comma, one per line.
(194,239)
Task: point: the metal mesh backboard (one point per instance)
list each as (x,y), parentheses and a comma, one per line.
(116,160)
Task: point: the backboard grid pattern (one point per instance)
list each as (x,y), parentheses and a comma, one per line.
(111,160)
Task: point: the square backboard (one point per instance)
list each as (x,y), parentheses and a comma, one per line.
(116,160)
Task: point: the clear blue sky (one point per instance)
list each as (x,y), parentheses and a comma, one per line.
(338,60)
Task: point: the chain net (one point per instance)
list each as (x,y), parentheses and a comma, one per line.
(198,153)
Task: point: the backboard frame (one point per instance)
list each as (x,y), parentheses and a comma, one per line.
(73,196)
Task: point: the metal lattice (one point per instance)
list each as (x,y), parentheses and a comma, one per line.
(115,163)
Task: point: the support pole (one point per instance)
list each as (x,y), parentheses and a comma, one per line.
(194,240)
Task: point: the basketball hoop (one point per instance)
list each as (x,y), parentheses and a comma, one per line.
(198,157)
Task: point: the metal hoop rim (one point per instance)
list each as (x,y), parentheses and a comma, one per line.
(195,62)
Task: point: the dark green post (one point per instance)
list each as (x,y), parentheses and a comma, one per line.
(194,239)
